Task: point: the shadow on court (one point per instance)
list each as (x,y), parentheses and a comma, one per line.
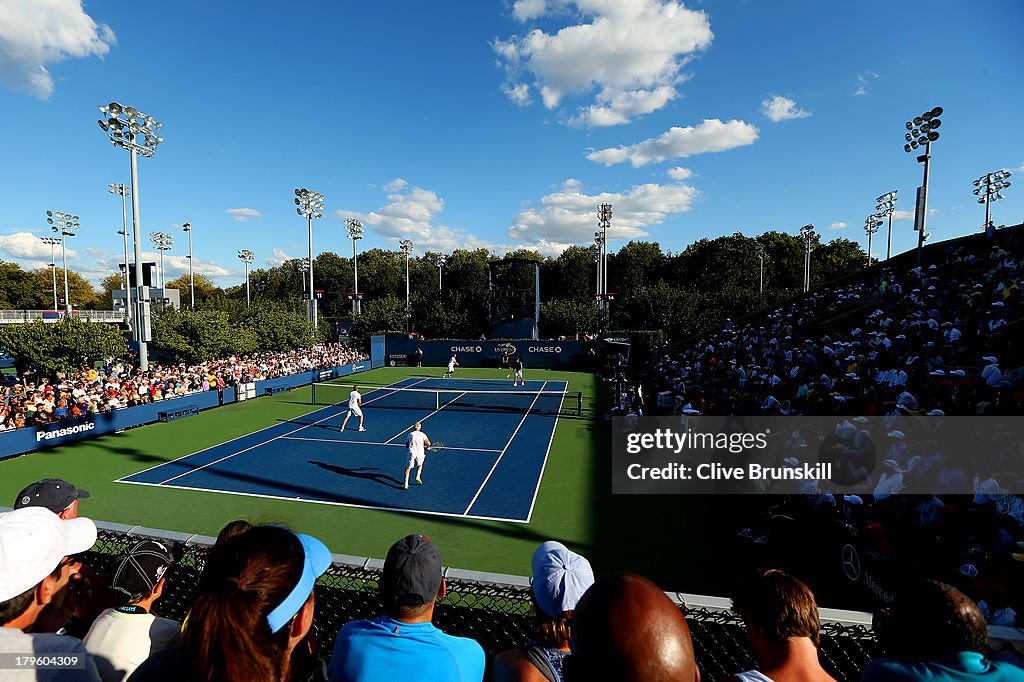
(366,473)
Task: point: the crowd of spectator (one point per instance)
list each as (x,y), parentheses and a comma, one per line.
(253,611)
(36,400)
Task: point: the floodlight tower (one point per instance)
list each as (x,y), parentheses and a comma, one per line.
(923,130)
(124,192)
(65,224)
(246,256)
(807,235)
(310,204)
(987,189)
(187,227)
(355,233)
(871,225)
(440,260)
(885,207)
(52,241)
(162,241)
(125,125)
(760,257)
(406,246)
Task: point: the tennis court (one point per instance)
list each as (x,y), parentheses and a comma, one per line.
(496,444)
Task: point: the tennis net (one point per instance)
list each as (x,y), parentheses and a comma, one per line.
(561,403)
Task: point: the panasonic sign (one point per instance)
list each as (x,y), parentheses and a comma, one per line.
(69,431)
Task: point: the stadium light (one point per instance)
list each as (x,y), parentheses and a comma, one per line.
(885,207)
(163,242)
(807,234)
(187,227)
(122,191)
(355,233)
(310,204)
(988,189)
(597,260)
(871,225)
(406,246)
(440,260)
(52,241)
(921,132)
(124,125)
(246,256)
(760,257)
(604,221)
(65,224)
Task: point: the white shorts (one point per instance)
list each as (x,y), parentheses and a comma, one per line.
(355,410)
(415,460)
(519,374)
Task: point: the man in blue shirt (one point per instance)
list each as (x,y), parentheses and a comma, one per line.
(934,632)
(405,639)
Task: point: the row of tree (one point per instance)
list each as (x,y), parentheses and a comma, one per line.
(679,293)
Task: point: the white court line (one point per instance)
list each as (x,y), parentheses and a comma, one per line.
(336,504)
(406,429)
(495,466)
(547,454)
(363,442)
(253,447)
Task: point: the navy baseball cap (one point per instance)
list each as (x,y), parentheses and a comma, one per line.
(412,572)
(53,493)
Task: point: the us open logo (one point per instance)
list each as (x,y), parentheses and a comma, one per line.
(505,348)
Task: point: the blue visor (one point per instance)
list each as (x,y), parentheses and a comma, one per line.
(315,563)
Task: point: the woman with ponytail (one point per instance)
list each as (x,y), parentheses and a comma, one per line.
(252,614)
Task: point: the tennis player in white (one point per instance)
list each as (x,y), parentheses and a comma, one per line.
(355,407)
(452,364)
(417,442)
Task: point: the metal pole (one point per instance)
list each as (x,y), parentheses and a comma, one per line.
(761,290)
(127,275)
(53,269)
(988,199)
(246,283)
(407,316)
(439,266)
(924,201)
(312,298)
(870,233)
(356,308)
(64,255)
(888,243)
(140,317)
(191,279)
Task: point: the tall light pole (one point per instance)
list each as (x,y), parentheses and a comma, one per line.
(406,246)
(923,130)
(246,256)
(52,241)
(604,221)
(65,224)
(163,242)
(871,225)
(760,257)
(988,188)
(310,204)
(187,227)
(122,191)
(355,233)
(807,235)
(886,206)
(125,125)
(441,259)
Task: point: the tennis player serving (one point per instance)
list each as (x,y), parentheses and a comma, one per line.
(416,442)
(355,407)
(452,364)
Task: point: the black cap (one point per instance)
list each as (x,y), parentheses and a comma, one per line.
(53,493)
(141,567)
(412,572)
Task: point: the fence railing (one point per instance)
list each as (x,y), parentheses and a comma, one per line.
(493,609)
(19,316)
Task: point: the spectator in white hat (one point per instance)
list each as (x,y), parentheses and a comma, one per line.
(560,577)
(35,563)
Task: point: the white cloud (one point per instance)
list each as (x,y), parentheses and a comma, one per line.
(34,33)
(863,80)
(900,214)
(278,257)
(243,214)
(710,136)
(568,216)
(778,108)
(411,213)
(629,53)
(680,173)
(27,245)
(837,226)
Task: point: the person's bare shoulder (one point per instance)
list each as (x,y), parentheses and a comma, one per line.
(514,666)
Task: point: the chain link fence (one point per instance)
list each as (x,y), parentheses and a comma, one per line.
(494,610)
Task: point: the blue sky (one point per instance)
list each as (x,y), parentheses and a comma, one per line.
(501,124)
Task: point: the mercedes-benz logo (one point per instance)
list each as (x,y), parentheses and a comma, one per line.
(851,563)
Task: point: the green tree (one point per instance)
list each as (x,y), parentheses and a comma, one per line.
(274,327)
(208,294)
(385,314)
(61,346)
(195,335)
(635,265)
(83,295)
(573,275)
(17,288)
(568,317)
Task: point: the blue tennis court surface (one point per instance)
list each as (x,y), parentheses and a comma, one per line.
(495,449)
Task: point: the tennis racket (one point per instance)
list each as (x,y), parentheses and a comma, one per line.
(436,446)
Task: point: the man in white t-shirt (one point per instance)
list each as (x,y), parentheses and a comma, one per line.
(452,364)
(355,407)
(417,442)
(121,639)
